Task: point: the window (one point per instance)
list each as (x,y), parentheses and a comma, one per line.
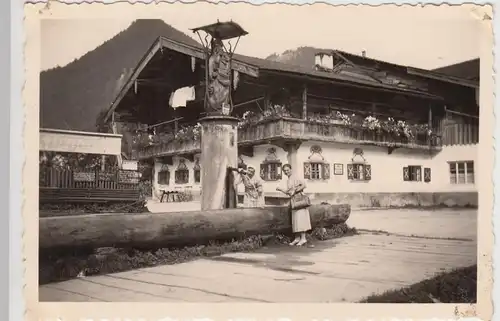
(317,170)
(197,171)
(270,171)
(197,176)
(164,177)
(359,172)
(412,173)
(182,173)
(181,176)
(462,172)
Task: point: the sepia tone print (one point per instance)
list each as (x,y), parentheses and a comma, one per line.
(175,166)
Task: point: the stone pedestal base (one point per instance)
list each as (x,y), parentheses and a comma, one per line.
(219,151)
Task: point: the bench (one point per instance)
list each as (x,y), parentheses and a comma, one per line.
(87,195)
(170,196)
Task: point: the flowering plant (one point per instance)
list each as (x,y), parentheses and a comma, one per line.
(275,111)
(371,123)
(189,133)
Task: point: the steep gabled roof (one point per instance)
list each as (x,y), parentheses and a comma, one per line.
(467,70)
(255,66)
(304,56)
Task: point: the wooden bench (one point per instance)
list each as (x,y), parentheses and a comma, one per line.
(170,196)
(87,195)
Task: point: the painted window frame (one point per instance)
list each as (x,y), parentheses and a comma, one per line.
(354,174)
(181,174)
(197,172)
(197,176)
(161,180)
(323,171)
(413,173)
(468,174)
(269,175)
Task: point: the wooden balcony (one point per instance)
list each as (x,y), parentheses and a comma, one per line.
(282,129)
(298,129)
(170,148)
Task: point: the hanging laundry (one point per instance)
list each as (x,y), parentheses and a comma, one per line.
(181,96)
(324,61)
(193,63)
(236,79)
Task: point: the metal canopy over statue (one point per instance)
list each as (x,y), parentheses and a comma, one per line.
(218,65)
(219,147)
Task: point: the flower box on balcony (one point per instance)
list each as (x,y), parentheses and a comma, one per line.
(332,131)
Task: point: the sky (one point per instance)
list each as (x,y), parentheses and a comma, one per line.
(426,37)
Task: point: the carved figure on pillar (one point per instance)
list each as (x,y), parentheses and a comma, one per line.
(219,147)
(219,79)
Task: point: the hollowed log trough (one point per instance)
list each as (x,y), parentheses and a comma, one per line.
(156,230)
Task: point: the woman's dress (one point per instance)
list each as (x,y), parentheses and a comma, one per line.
(254,196)
(301,220)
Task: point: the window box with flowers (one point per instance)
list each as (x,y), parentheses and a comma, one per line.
(187,138)
(273,112)
(316,168)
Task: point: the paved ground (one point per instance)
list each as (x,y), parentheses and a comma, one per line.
(416,244)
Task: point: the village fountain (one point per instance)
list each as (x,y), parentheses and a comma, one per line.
(219,135)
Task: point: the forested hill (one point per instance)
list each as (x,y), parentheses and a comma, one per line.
(71,97)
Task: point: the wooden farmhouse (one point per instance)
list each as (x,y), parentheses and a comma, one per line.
(358,130)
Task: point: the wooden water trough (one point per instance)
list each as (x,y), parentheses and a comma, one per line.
(155,230)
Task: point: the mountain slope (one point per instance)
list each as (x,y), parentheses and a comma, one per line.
(302,56)
(71,97)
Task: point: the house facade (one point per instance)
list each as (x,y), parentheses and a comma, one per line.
(355,129)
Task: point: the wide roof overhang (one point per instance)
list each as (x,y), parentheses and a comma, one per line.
(255,67)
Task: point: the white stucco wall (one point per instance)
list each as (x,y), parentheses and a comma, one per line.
(195,188)
(386,169)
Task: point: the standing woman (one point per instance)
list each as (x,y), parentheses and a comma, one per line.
(254,192)
(301,221)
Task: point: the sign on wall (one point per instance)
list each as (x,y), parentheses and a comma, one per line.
(129,165)
(338,169)
(129,177)
(79,142)
(84,176)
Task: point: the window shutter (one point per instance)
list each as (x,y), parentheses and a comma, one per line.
(307,171)
(279,174)
(263,171)
(326,171)
(427,175)
(350,171)
(368,172)
(406,174)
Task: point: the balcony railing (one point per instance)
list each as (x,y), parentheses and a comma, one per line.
(291,128)
(297,129)
(171,148)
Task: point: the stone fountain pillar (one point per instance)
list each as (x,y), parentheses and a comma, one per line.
(219,151)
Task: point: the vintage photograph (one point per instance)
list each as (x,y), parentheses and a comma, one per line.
(261,155)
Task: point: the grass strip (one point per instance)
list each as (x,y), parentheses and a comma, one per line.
(456,286)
